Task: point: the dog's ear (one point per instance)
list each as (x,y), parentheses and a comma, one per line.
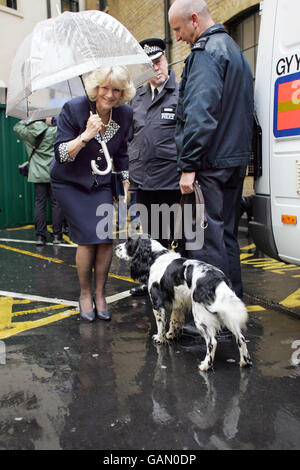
(141,260)
(180,248)
(131,246)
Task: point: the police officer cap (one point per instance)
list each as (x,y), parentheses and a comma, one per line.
(153,47)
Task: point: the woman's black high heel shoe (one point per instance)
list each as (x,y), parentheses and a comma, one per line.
(102,315)
(105,315)
(90,316)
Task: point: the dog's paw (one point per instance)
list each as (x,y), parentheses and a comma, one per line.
(246,362)
(173,335)
(159,339)
(205,366)
(170,336)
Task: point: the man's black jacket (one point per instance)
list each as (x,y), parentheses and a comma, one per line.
(215,107)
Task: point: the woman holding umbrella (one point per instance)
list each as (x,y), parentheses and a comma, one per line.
(79,189)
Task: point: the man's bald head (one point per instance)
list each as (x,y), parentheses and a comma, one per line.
(189,19)
(186,7)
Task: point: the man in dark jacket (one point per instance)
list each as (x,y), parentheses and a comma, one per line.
(214,129)
(152,149)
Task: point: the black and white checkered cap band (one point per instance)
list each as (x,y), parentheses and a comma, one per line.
(153,51)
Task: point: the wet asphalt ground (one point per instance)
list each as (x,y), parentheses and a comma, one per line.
(66,384)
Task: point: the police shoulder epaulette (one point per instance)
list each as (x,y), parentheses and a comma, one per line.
(200,44)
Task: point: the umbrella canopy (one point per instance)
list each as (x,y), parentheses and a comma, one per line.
(45,70)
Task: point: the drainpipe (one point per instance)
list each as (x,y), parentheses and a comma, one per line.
(168,39)
(48,9)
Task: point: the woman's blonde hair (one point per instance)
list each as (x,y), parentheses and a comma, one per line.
(117,76)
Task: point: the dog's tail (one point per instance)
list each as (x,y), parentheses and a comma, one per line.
(231,310)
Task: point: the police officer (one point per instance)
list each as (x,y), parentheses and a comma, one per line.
(214,129)
(152,150)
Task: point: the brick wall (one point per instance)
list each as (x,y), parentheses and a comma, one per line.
(224,10)
(145,18)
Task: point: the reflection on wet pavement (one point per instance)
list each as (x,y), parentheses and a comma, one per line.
(73,385)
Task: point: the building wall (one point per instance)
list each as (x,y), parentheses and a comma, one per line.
(19,22)
(145,18)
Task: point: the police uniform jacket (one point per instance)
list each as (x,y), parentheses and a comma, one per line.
(215,107)
(151,148)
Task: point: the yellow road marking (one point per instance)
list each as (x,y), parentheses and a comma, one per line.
(255,308)
(248,247)
(20,228)
(7,328)
(123,278)
(292,300)
(68,240)
(271,264)
(29,325)
(6,304)
(29,253)
(245,255)
(37,310)
(55,260)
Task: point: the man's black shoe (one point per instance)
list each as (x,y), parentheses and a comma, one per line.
(65,229)
(140,290)
(56,239)
(224,334)
(40,240)
(191,330)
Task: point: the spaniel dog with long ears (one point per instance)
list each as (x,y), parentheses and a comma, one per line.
(177,285)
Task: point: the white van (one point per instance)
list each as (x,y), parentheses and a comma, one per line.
(275,227)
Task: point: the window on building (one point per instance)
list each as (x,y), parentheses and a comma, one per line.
(245,31)
(69,5)
(9,3)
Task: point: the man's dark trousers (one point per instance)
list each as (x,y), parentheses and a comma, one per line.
(222,191)
(159,197)
(42,193)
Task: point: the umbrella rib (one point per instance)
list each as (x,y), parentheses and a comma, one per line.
(70,91)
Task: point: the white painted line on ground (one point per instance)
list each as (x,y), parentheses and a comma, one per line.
(34,242)
(38,298)
(71,303)
(119,296)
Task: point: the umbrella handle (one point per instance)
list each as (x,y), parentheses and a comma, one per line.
(103,144)
(108,161)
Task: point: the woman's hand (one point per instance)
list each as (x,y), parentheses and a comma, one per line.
(93,126)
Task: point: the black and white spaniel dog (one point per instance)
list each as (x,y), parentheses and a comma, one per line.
(177,285)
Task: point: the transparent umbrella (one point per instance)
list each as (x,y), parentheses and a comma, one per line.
(51,62)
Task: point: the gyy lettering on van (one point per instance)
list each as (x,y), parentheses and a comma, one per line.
(287,65)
